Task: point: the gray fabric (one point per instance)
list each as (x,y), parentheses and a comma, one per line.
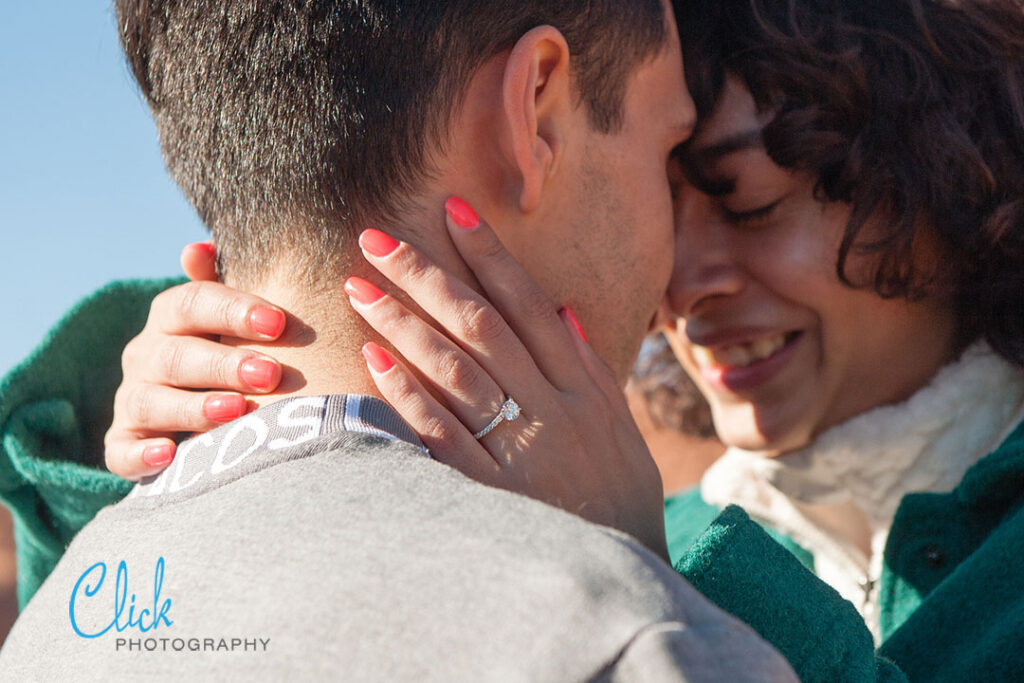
(352,557)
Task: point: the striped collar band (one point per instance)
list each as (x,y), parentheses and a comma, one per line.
(212,459)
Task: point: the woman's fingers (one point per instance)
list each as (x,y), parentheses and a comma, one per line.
(147,417)
(199,261)
(444,435)
(198,363)
(470,321)
(132,456)
(603,376)
(152,408)
(210,308)
(174,352)
(520,300)
(469,391)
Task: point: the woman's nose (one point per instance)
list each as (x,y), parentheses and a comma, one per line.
(706,267)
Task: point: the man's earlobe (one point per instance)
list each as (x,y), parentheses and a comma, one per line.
(538,108)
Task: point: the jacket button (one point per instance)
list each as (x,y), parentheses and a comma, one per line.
(934,556)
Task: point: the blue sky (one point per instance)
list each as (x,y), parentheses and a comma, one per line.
(84,198)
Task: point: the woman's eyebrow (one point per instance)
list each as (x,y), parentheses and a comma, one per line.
(727,145)
(713,187)
(693,158)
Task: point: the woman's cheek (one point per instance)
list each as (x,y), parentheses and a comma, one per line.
(795,256)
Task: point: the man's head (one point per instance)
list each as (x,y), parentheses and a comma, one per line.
(588,214)
(291,126)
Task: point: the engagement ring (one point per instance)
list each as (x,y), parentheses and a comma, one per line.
(509,411)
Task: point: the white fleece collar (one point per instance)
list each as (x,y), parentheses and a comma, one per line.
(926,443)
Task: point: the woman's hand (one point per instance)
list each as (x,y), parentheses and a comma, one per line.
(177,351)
(575,445)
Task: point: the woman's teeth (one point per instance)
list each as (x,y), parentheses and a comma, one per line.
(740,355)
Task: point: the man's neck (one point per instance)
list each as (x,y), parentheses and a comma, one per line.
(318,356)
(320,350)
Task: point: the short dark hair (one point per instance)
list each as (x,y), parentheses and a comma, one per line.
(321,113)
(908,109)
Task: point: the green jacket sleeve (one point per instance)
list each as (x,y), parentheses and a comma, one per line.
(54,410)
(746,573)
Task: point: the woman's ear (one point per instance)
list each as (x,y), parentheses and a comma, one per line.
(538,108)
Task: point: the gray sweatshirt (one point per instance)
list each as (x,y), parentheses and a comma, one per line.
(315,540)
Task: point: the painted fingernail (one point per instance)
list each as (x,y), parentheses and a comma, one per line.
(379,360)
(462,213)
(224,407)
(575,322)
(206,247)
(363,291)
(267,322)
(377,243)
(259,373)
(158,456)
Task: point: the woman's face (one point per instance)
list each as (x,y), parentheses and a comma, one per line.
(779,346)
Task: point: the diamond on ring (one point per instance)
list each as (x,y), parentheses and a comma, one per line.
(509,411)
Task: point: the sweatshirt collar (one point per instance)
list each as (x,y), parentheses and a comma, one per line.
(266,435)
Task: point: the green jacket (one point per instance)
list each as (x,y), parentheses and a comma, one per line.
(951,590)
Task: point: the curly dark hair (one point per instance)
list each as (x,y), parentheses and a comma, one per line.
(908,109)
(673,400)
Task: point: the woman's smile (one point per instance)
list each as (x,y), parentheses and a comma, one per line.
(746,365)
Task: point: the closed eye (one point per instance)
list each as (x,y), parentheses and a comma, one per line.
(752,215)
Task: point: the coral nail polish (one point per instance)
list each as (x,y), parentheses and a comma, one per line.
(379,360)
(376,243)
(462,213)
(158,456)
(259,373)
(267,322)
(207,248)
(224,407)
(363,291)
(575,322)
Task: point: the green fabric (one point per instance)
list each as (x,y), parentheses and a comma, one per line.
(951,591)
(54,410)
(742,570)
(687,516)
(953,587)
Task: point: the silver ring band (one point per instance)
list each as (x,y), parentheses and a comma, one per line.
(509,411)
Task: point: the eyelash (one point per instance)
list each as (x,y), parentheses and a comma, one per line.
(750,216)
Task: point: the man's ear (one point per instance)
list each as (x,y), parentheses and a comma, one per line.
(538,108)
